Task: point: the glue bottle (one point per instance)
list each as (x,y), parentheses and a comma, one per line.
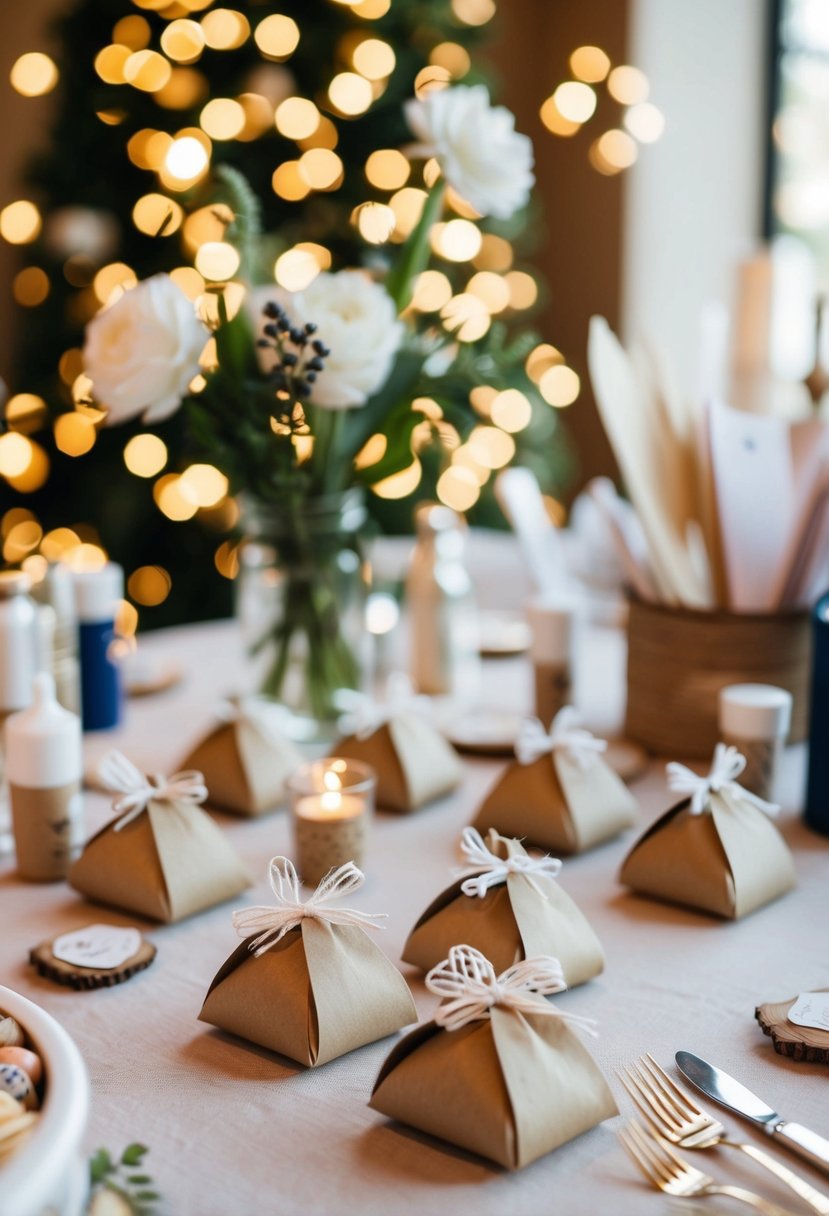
(44,768)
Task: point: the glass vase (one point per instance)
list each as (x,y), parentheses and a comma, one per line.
(301,595)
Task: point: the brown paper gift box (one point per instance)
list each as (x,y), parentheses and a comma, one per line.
(510,1087)
(513,920)
(167,863)
(321,991)
(413,761)
(729,860)
(245,769)
(556,805)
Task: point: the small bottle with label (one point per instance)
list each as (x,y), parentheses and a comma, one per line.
(18,664)
(98,594)
(553,625)
(755,718)
(56,594)
(44,770)
(443,616)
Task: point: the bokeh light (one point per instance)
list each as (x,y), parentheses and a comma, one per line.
(145,455)
(33,74)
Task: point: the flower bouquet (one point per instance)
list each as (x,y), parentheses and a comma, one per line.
(303,398)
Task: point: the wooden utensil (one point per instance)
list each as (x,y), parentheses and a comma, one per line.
(630,427)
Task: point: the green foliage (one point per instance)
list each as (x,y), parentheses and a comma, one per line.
(84,164)
(133,1189)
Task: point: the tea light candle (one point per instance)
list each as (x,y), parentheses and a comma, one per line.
(332,802)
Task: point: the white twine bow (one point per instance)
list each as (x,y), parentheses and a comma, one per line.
(470,988)
(486,869)
(362,715)
(271,923)
(565,735)
(138,790)
(272,721)
(726,766)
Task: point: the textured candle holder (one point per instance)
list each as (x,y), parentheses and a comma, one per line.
(679,659)
(332,801)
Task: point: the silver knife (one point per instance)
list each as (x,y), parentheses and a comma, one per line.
(722,1088)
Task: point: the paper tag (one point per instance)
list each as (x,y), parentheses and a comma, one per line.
(811,1009)
(103,947)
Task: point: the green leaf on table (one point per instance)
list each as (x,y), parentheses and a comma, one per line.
(100,1164)
(133,1153)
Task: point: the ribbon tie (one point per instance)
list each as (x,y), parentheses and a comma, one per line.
(273,722)
(138,790)
(362,715)
(267,925)
(565,735)
(486,869)
(726,766)
(470,988)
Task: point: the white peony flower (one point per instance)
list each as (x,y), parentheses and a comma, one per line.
(480,153)
(357,321)
(142,352)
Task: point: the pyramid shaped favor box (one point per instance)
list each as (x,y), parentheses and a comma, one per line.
(162,857)
(510,906)
(247,758)
(559,795)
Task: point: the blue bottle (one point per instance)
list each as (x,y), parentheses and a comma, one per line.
(816,813)
(97,596)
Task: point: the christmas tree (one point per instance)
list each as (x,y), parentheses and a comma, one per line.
(308,104)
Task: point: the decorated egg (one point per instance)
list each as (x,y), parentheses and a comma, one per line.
(29,1061)
(15,1081)
(10,1033)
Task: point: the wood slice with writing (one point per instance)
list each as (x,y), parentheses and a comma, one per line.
(85,978)
(802,1043)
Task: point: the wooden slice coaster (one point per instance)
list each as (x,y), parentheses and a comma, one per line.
(797,1042)
(85,978)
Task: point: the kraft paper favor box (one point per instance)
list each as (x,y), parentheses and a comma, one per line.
(716,850)
(246,759)
(509,1080)
(308,983)
(413,761)
(559,795)
(162,856)
(510,906)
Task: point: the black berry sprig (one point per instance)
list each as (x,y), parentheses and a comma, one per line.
(300,359)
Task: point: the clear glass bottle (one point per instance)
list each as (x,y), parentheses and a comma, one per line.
(444,658)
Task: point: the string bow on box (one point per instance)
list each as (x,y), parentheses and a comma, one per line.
(138,790)
(486,869)
(271,721)
(565,735)
(267,925)
(470,988)
(726,766)
(362,715)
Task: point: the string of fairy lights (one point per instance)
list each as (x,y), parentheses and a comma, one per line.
(178,161)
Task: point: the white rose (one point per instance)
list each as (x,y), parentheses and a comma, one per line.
(480,153)
(142,352)
(356,319)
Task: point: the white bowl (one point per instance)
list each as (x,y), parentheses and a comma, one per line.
(48,1172)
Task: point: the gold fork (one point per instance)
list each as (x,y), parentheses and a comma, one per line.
(667,1171)
(673,1114)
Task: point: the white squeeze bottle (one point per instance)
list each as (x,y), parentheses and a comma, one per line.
(18,664)
(44,766)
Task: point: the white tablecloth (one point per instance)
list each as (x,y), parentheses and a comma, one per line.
(236,1131)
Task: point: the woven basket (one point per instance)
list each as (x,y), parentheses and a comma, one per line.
(679,659)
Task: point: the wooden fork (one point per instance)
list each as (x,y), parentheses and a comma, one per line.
(667,1171)
(672,1113)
